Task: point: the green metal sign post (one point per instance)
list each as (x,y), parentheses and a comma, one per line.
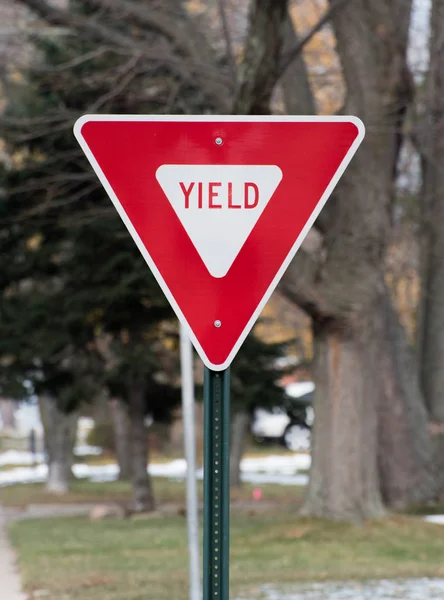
(216,529)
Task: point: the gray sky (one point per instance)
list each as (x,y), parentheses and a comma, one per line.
(419,34)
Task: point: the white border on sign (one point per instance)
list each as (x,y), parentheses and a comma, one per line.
(219,118)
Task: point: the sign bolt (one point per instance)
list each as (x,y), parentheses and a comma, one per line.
(219,141)
(217,323)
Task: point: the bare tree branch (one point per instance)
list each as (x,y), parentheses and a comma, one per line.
(265,34)
(290,55)
(119,85)
(298,95)
(228,41)
(72,63)
(158,19)
(90,27)
(258,72)
(185,54)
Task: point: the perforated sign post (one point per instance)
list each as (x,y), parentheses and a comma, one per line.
(218,206)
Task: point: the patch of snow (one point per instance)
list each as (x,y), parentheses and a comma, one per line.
(36,474)
(27,418)
(438,519)
(281,470)
(299,388)
(19,457)
(24,457)
(175,469)
(96,472)
(282,465)
(84,426)
(262,478)
(85,450)
(287,361)
(386,589)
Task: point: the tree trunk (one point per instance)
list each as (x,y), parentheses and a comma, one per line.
(367,389)
(59,429)
(121,424)
(7,413)
(239,429)
(344,481)
(297,92)
(370,442)
(431,317)
(257,74)
(143,498)
(405,449)
(365,370)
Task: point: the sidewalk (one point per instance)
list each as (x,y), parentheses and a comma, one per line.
(10,588)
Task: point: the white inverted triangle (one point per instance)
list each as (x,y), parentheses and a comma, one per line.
(239,196)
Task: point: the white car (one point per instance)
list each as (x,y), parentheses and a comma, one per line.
(292,424)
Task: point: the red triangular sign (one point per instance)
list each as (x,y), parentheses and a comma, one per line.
(218,206)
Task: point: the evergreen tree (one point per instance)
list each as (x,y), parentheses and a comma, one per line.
(81,307)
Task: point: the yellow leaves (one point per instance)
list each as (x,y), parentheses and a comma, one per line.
(307,343)
(282,322)
(34,242)
(7,360)
(23,156)
(19,158)
(320,55)
(94,316)
(38,156)
(16,76)
(168,343)
(271,328)
(195,7)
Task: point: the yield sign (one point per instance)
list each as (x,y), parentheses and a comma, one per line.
(218,206)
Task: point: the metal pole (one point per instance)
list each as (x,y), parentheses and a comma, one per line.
(186,362)
(216,485)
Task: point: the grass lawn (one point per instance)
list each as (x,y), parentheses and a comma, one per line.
(166,492)
(146,558)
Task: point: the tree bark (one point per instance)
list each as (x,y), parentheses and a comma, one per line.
(367,385)
(7,413)
(298,95)
(257,75)
(121,424)
(371,444)
(143,498)
(380,448)
(239,429)
(431,317)
(344,480)
(405,449)
(59,429)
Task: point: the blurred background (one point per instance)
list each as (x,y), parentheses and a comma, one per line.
(337,446)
